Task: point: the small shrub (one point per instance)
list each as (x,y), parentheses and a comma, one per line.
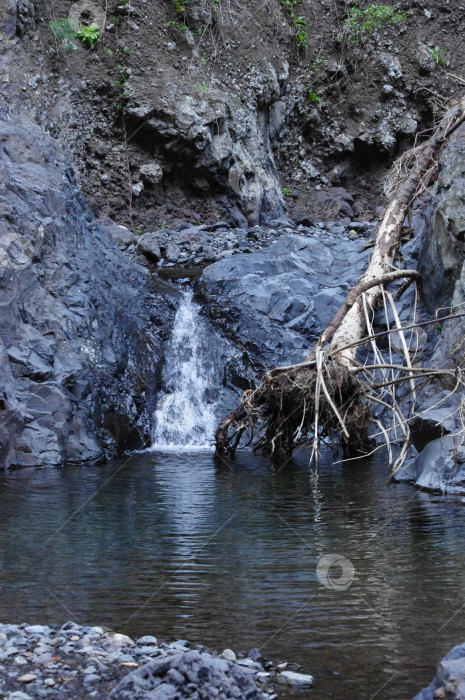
(438,56)
(177,26)
(180,7)
(123,78)
(312,96)
(89,35)
(371,19)
(299,22)
(286,192)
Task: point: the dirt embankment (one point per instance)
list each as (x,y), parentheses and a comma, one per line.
(207,109)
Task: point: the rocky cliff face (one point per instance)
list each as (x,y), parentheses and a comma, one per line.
(79,325)
(204,110)
(437,462)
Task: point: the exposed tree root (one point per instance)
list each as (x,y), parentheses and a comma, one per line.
(331,393)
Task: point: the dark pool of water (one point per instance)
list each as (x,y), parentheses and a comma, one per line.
(180,546)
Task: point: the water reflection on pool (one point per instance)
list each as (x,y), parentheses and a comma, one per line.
(183,546)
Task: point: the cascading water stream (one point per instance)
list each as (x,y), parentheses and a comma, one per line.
(184,419)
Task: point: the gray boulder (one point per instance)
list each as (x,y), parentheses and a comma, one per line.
(275,302)
(438,467)
(449,681)
(122,235)
(148,245)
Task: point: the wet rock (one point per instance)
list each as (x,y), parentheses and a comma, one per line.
(229,655)
(172,252)
(439,467)
(442,260)
(296,680)
(449,681)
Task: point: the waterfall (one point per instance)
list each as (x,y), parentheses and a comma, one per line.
(184,418)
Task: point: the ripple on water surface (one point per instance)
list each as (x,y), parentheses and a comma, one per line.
(226,555)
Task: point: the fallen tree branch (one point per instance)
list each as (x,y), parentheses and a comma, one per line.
(323,394)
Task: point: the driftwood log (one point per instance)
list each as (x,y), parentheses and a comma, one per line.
(323,394)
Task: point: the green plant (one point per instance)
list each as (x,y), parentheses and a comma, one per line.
(286,192)
(300,24)
(438,56)
(123,77)
(89,35)
(301,39)
(65,32)
(177,26)
(312,96)
(372,18)
(180,7)
(201,88)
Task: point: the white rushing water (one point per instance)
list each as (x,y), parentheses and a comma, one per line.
(184,419)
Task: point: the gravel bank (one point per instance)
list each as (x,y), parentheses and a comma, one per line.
(73,661)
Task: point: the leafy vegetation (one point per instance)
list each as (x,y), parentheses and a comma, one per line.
(312,96)
(371,19)
(180,7)
(299,22)
(286,192)
(123,77)
(66,31)
(177,26)
(89,35)
(438,56)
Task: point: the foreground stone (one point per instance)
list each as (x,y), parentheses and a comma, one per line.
(449,681)
(40,661)
(296,680)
